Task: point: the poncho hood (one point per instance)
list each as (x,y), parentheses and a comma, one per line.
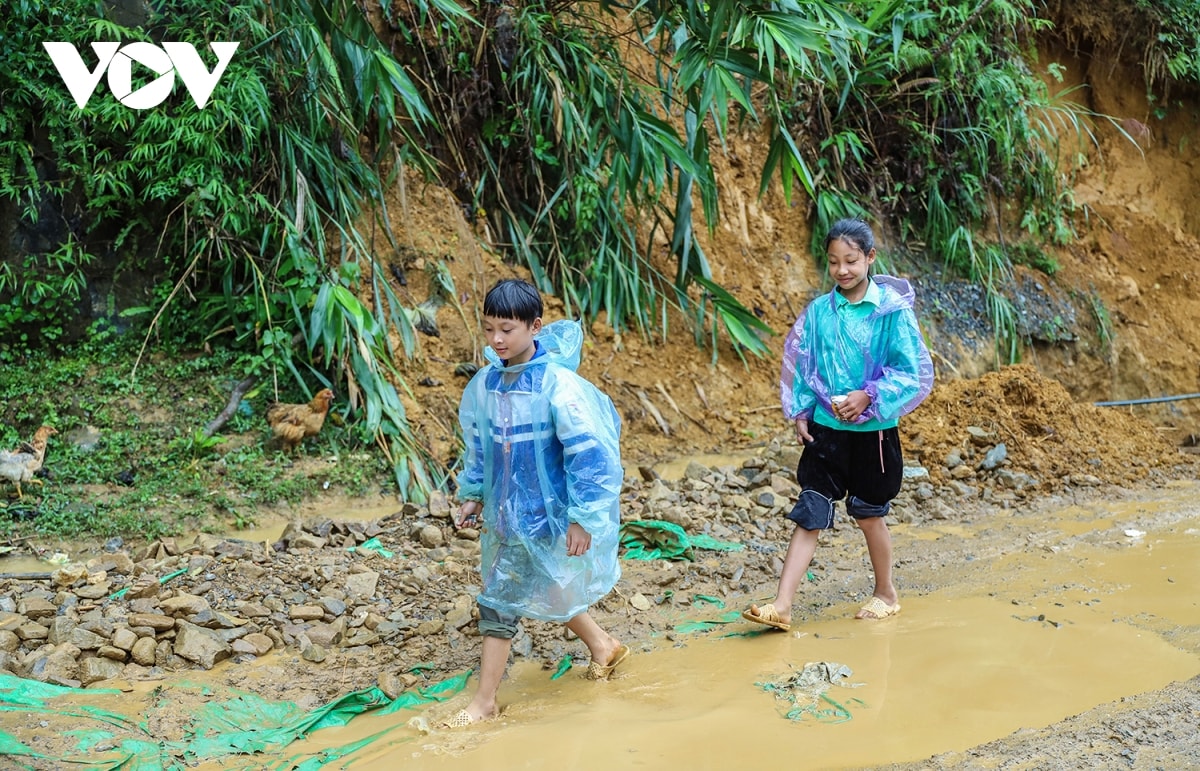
(561,342)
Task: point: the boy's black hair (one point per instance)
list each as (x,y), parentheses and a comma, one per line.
(853,230)
(513,298)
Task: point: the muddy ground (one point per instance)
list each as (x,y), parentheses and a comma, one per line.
(298,593)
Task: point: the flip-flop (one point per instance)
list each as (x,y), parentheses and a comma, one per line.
(766,614)
(877,609)
(462,719)
(598,671)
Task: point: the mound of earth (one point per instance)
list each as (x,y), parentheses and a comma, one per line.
(1046,433)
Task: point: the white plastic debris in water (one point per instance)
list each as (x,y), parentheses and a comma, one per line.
(1135,533)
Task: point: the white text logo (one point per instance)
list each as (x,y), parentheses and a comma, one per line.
(118,60)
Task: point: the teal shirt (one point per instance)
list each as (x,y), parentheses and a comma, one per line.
(874,345)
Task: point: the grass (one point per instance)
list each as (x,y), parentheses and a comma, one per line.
(131,459)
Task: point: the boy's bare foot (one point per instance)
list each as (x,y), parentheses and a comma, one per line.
(598,671)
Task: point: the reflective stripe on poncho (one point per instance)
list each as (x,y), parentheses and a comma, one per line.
(874,345)
(542,451)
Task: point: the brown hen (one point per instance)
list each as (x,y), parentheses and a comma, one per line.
(20,465)
(292,423)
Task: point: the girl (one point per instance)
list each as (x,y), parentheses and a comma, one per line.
(853,363)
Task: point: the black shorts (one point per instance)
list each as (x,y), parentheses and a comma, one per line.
(864,467)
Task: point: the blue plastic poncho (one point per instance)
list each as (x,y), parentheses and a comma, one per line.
(874,345)
(542,451)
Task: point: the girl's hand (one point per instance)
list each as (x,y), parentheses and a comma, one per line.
(855,404)
(802,434)
(578,540)
(468,514)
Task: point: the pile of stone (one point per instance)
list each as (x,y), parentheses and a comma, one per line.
(402,586)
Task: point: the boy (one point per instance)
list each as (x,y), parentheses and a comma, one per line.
(543,468)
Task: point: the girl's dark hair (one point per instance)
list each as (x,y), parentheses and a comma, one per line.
(513,298)
(855,231)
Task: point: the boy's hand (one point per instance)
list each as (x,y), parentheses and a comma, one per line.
(578,540)
(468,514)
(802,434)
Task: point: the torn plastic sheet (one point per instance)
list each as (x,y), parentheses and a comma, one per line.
(242,725)
(806,692)
(655,539)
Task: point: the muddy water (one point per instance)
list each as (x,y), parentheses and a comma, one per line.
(1061,627)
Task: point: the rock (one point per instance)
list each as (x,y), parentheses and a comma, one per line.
(111,652)
(124,639)
(142,651)
(332,605)
(439,505)
(184,604)
(60,629)
(34,608)
(68,575)
(117,562)
(769,499)
(659,493)
(639,601)
(9,642)
(156,621)
(94,591)
(739,502)
(676,515)
(1016,480)
(361,586)
(199,645)
(250,570)
(785,486)
(32,631)
(253,610)
(326,635)
(391,684)
(361,637)
(54,666)
(431,537)
(306,612)
(259,644)
(305,541)
(979,437)
(939,509)
(310,651)
(143,587)
(85,640)
(457,618)
(962,472)
(95,669)
(994,457)
(434,626)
